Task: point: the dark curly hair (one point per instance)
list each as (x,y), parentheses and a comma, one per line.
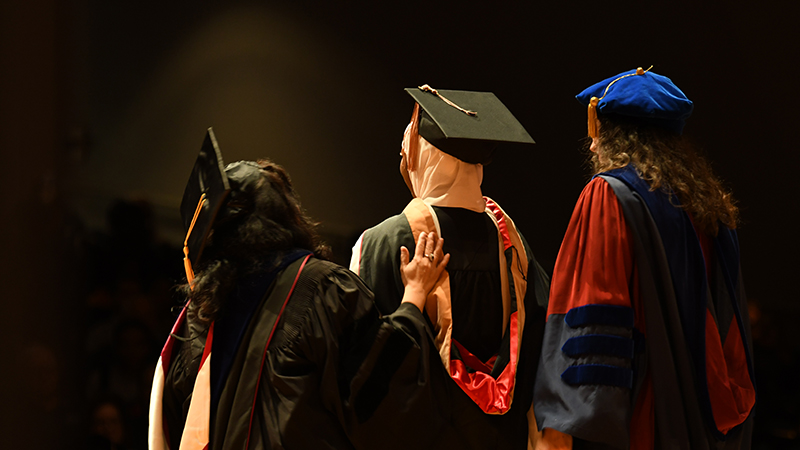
(670,162)
(271,224)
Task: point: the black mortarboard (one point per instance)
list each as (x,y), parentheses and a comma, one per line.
(465,124)
(214,194)
(205,193)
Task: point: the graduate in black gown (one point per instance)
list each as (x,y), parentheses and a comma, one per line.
(279,348)
(489,311)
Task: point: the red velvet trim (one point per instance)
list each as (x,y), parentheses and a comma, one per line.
(501,221)
(266,346)
(207,347)
(166,351)
(730,388)
(493,396)
(595,262)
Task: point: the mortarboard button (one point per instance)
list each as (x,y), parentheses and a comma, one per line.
(465,124)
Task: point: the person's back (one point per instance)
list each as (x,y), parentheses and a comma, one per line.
(493,288)
(475,284)
(274,338)
(476,296)
(646,342)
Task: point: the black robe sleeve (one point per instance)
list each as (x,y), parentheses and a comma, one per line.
(338,375)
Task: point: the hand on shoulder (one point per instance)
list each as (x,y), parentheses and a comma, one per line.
(420,274)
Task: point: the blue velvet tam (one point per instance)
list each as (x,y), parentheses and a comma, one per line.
(642,96)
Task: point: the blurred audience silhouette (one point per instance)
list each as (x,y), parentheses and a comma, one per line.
(128,302)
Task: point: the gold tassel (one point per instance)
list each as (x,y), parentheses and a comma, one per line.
(413,141)
(187,266)
(592,113)
(592,122)
(187,263)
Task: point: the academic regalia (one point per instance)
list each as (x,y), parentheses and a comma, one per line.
(299,357)
(487,310)
(647,342)
(637,355)
(334,375)
(471,239)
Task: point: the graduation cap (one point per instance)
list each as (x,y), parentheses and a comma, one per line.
(641,95)
(467,125)
(214,194)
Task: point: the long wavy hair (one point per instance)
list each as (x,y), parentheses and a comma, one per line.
(271,224)
(670,162)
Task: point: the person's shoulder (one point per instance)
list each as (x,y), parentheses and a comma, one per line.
(623,179)
(389,232)
(598,182)
(339,289)
(321,264)
(390,224)
(328,273)
(597,188)
(325,296)
(319,269)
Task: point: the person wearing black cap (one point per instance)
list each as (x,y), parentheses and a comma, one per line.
(276,347)
(493,288)
(647,342)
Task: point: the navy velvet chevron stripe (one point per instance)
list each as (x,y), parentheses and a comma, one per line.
(619,316)
(598,374)
(599,344)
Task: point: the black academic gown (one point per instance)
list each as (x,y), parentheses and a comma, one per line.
(335,375)
(471,240)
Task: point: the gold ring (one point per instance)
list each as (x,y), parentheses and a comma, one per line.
(430,256)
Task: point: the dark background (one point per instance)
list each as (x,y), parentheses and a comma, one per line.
(105,104)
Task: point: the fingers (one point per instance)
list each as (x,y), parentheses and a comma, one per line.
(438,252)
(445,260)
(430,242)
(419,251)
(403,256)
(430,248)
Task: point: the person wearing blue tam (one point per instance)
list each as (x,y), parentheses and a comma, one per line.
(646,343)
